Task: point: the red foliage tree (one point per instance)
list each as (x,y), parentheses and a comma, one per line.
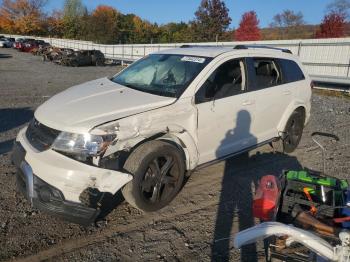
(248,29)
(332,26)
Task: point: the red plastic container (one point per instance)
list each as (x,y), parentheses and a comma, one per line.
(266,199)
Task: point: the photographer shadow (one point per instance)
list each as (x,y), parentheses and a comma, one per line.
(241,176)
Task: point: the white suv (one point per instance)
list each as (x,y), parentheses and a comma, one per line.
(167,114)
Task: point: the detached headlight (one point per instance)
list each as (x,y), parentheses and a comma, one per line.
(82,145)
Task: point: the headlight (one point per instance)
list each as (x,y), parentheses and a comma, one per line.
(82,145)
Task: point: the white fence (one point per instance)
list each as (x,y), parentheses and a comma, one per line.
(325,60)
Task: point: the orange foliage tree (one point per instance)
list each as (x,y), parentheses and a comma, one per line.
(248,29)
(333,25)
(104,24)
(22,16)
(54,24)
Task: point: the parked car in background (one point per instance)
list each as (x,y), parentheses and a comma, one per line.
(55,54)
(83,58)
(17,42)
(162,117)
(41,43)
(40,47)
(29,45)
(6,42)
(21,43)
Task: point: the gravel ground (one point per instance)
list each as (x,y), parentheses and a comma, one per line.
(214,203)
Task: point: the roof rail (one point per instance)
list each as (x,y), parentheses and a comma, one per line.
(263,47)
(199,46)
(240,47)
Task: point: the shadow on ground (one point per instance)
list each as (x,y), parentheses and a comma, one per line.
(5,56)
(11,118)
(14,117)
(6,146)
(241,176)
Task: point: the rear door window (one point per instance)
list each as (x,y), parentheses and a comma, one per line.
(291,71)
(267,73)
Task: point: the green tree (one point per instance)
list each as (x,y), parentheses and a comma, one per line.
(127,29)
(175,33)
(73,12)
(212,20)
(144,31)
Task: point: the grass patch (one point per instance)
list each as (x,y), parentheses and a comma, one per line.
(324,92)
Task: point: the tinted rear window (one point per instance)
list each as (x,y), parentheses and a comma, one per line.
(291,71)
(267,73)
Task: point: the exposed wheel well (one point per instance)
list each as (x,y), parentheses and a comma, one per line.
(302,110)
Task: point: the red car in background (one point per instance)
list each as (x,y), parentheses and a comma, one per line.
(27,45)
(20,42)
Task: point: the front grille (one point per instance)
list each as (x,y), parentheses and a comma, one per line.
(40,136)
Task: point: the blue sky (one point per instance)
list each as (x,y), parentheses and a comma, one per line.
(164,11)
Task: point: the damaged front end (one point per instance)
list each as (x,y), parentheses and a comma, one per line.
(67,184)
(83,169)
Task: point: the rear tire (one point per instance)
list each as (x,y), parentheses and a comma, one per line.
(292,134)
(100,62)
(158,170)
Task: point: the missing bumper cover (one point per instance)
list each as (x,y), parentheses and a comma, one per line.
(47,198)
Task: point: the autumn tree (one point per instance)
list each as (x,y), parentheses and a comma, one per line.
(332,26)
(289,24)
(104,25)
(144,31)
(54,24)
(22,16)
(248,29)
(340,7)
(211,21)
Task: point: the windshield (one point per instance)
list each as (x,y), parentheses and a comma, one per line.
(164,75)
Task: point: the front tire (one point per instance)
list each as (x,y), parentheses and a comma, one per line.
(158,170)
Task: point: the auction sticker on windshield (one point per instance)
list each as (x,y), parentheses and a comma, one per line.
(193,59)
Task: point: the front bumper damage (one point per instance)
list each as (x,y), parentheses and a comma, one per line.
(56,184)
(49,199)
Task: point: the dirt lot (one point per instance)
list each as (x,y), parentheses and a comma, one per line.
(213,204)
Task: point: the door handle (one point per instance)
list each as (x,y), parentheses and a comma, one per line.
(248,103)
(287,92)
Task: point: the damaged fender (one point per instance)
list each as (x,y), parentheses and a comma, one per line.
(157,124)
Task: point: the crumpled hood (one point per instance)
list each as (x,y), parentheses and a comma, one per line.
(82,107)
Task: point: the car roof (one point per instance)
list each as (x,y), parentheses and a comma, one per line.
(213,51)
